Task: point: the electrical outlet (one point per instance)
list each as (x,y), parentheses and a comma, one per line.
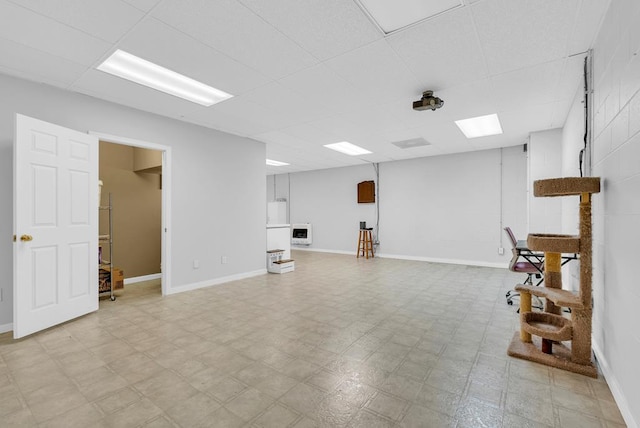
(224,260)
(196,264)
(501,251)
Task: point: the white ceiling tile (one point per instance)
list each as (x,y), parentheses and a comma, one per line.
(324,28)
(231,28)
(344,130)
(36,31)
(321,85)
(312,134)
(377,71)
(442,52)
(587,25)
(145,5)
(107,20)
(39,65)
(560,111)
(227,122)
(542,85)
(516,34)
(291,105)
(517,124)
(157,42)
(244,107)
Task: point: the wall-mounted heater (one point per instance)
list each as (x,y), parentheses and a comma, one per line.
(301,234)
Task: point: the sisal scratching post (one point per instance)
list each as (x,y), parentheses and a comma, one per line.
(581,345)
(552,278)
(542,334)
(525,307)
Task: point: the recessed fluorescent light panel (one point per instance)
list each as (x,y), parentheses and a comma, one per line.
(143,72)
(481,126)
(347,148)
(276,163)
(394,15)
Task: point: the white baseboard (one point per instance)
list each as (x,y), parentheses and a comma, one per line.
(614,386)
(416,258)
(6,327)
(446,261)
(216,281)
(319,250)
(142,278)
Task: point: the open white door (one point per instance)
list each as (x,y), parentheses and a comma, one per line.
(55,202)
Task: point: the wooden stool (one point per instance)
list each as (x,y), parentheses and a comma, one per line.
(365,243)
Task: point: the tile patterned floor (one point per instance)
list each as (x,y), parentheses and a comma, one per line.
(340,342)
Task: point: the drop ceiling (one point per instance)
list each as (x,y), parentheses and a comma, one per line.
(306,73)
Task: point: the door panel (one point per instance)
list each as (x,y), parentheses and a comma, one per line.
(56,224)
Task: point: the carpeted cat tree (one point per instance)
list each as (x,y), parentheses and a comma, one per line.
(542,333)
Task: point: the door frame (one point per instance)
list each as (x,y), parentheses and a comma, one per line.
(165,241)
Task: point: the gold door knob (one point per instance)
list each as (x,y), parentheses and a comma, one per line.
(26,238)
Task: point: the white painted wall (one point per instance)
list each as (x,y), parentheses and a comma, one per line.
(545,161)
(616,158)
(218,183)
(443,208)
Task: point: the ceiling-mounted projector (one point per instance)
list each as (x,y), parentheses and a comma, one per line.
(428,102)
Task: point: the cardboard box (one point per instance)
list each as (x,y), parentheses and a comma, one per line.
(118,277)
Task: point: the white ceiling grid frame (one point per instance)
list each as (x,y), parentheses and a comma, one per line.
(325,29)
(106,20)
(38,32)
(396,19)
(231,28)
(144,5)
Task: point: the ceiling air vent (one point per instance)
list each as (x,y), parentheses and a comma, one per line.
(409,144)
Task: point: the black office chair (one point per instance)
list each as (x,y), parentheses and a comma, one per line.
(523,266)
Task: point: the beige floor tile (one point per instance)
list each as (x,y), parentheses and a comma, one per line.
(276,416)
(276,385)
(474,413)
(439,400)
(387,406)
(303,399)
(225,388)
(570,418)
(419,417)
(118,400)
(514,421)
(221,418)
(80,417)
(322,343)
(134,415)
(193,410)
(249,403)
(366,419)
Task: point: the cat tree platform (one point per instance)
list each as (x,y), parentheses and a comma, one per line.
(548,337)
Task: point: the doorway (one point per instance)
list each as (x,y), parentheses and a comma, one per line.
(137,175)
